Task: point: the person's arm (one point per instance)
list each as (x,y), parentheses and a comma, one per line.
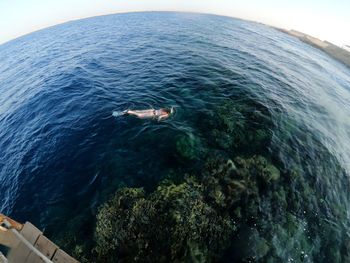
(162,117)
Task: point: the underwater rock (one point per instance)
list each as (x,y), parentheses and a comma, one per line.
(114,222)
(193,220)
(172,223)
(240,128)
(259,170)
(272,172)
(291,241)
(240,209)
(249,246)
(223,183)
(188,146)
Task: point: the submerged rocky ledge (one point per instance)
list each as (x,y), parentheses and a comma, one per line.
(193,221)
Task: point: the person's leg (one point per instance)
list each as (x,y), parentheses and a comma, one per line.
(137,113)
(140,113)
(131,112)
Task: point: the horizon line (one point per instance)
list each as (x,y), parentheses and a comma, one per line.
(140,11)
(126,12)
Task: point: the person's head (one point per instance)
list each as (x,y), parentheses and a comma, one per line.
(165,111)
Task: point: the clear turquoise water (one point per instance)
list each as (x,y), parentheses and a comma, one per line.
(63,153)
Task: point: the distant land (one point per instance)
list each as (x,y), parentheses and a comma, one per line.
(340,54)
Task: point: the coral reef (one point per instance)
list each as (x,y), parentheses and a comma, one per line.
(193,221)
(239,128)
(188,147)
(172,223)
(229,198)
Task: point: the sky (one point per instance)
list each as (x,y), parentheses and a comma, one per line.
(325,19)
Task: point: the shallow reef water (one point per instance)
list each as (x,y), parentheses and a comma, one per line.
(252,167)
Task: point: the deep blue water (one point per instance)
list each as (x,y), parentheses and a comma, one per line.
(62,153)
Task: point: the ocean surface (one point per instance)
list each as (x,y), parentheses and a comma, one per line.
(63,154)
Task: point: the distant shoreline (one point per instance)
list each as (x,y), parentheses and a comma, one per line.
(332,50)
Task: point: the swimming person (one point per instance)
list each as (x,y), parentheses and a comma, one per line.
(159,115)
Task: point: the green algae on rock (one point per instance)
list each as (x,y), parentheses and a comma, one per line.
(172,223)
(188,147)
(243,210)
(193,221)
(239,128)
